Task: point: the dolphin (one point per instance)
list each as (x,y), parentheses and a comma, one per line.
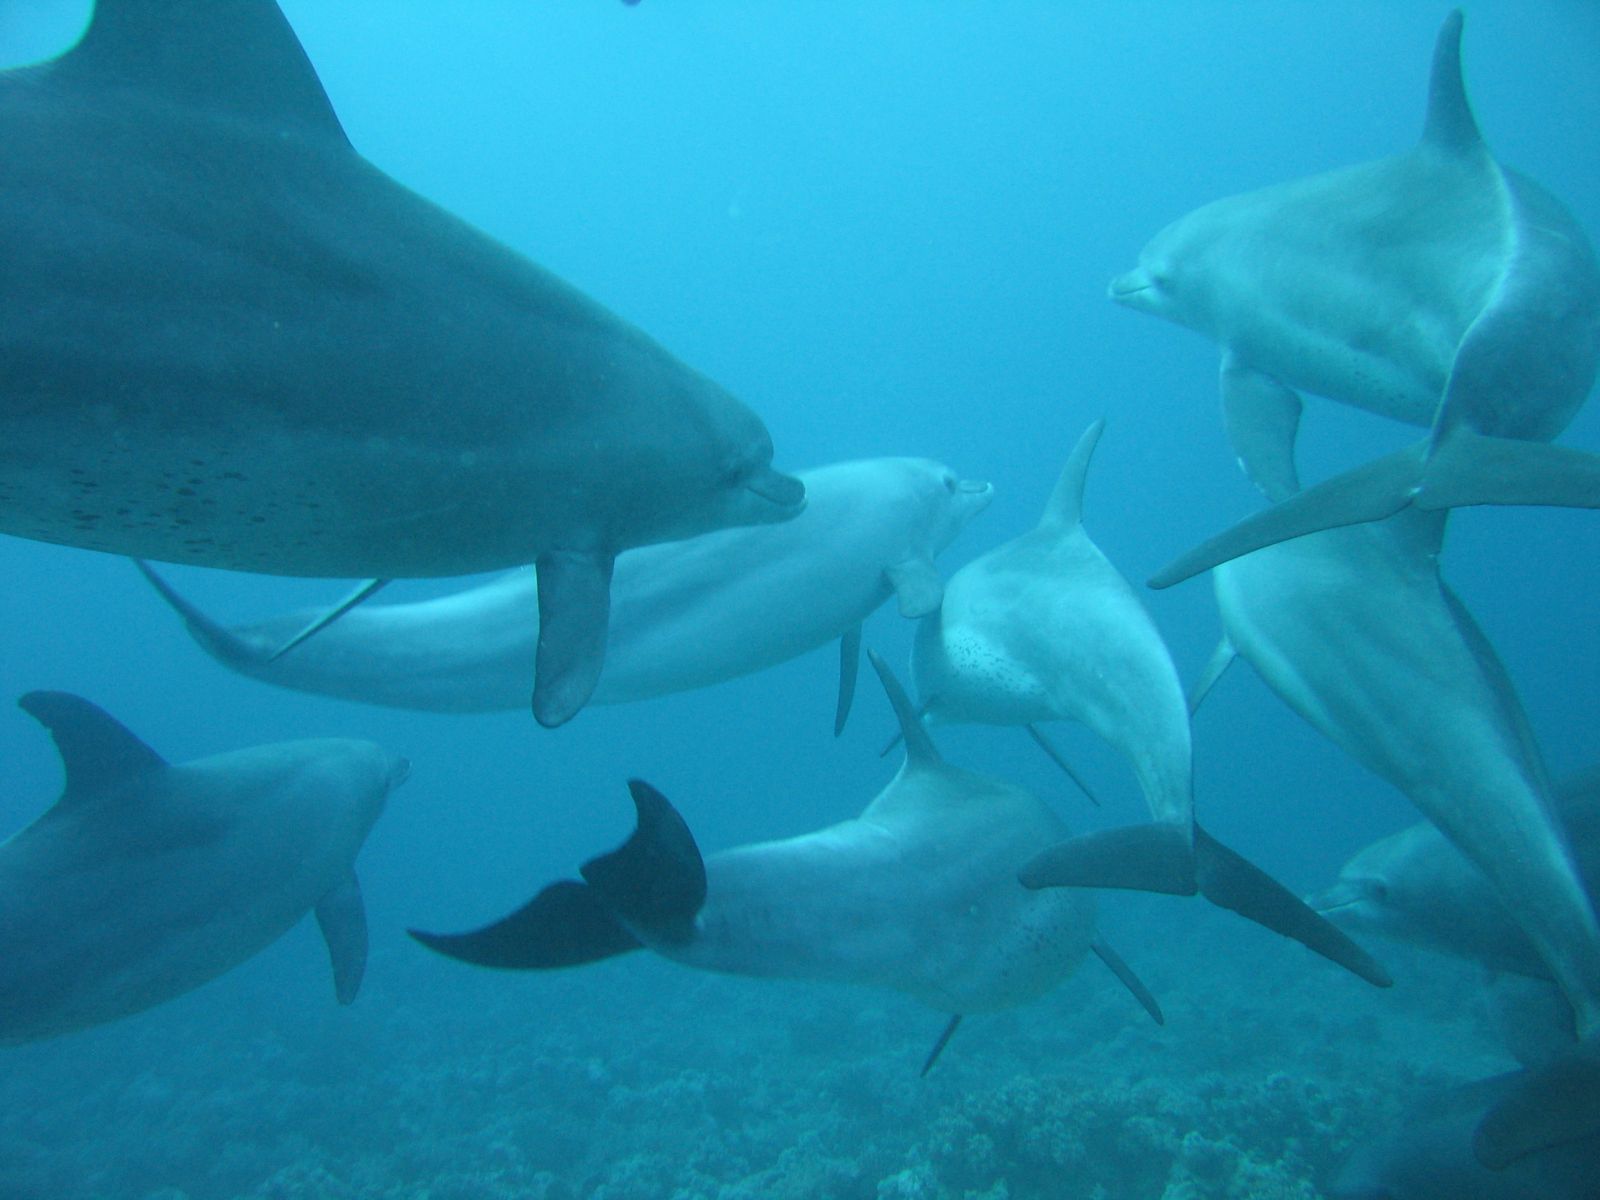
(145,880)
(226,339)
(1430,1157)
(918,894)
(1043,627)
(1414,886)
(1436,287)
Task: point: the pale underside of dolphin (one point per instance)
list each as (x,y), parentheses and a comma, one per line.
(1355,630)
(1436,287)
(226,339)
(145,879)
(1045,628)
(918,894)
(683,614)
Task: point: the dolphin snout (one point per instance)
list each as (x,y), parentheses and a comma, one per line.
(1130,283)
(1332,899)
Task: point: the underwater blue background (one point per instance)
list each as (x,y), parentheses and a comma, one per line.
(888,228)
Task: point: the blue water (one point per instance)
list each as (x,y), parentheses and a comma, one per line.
(888,228)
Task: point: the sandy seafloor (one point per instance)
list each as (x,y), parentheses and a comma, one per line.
(888,229)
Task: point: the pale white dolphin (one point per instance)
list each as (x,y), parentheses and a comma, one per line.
(254,350)
(145,880)
(1436,287)
(918,894)
(1043,627)
(683,614)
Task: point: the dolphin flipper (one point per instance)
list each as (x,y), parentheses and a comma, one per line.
(656,880)
(1221,659)
(849,668)
(1546,1107)
(342,917)
(917,585)
(1128,979)
(565,925)
(574,610)
(1262,417)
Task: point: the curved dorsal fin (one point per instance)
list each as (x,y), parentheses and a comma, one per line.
(97,751)
(1065,506)
(1450,125)
(920,750)
(237,57)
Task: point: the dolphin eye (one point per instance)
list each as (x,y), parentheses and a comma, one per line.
(1378,890)
(951,484)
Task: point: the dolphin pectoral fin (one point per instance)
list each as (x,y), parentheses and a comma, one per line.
(1556,1103)
(97,750)
(362,593)
(938,1046)
(656,880)
(1129,980)
(917,585)
(1155,857)
(1262,417)
(1370,492)
(1467,468)
(574,610)
(565,925)
(217,640)
(1060,760)
(342,917)
(849,668)
(1221,659)
(1230,881)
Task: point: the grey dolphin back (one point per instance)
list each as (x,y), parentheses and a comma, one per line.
(97,751)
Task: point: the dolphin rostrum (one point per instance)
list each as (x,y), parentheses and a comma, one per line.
(145,880)
(1436,287)
(227,339)
(918,894)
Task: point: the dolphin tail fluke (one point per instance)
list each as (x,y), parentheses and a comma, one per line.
(565,925)
(655,882)
(938,1046)
(214,638)
(1467,468)
(574,610)
(1156,857)
(1230,881)
(1129,980)
(1547,1107)
(342,917)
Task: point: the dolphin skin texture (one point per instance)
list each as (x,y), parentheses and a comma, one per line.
(683,614)
(227,339)
(146,880)
(918,894)
(1436,287)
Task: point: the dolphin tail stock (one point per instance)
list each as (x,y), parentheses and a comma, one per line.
(362,593)
(574,611)
(1124,973)
(1160,857)
(216,638)
(1547,1106)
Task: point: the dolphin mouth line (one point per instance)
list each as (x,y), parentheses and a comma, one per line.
(1118,290)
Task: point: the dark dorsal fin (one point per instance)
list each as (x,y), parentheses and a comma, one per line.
(1450,125)
(96,750)
(226,56)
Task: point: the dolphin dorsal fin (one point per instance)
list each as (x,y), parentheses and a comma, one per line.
(920,750)
(1065,506)
(97,751)
(1450,125)
(238,57)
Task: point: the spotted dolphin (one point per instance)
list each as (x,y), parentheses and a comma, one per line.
(227,339)
(918,894)
(1436,287)
(145,879)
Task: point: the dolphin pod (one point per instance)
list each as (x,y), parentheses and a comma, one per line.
(683,614)
(145,880)
(1436,287)
(177,374)
(918,894)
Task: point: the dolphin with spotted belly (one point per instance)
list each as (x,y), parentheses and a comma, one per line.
(227,339)
(1436,287)
(918,894)
(683,614)
(146,880)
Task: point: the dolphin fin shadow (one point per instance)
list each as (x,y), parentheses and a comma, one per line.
(1458,470)
(1160,858)
(1554,1104)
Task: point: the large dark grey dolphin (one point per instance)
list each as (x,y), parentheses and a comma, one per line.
(227,339)
(145,880)
(919,894)
(1437,287)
